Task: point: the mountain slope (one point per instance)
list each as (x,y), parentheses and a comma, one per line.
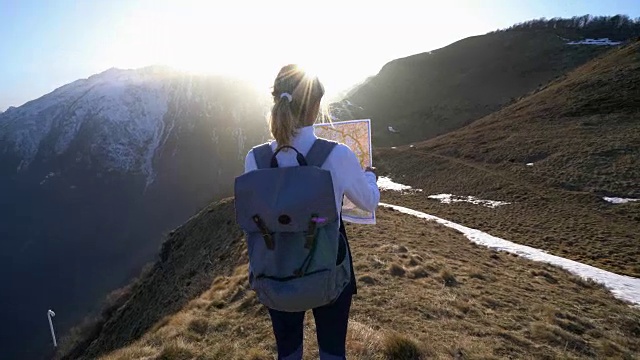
(425,289)
(579,137)
(458,299)
(93,173)
(587,123)
(429,94)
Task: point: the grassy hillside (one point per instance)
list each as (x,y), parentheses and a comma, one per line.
(429,94)
(425,292)
(582,134)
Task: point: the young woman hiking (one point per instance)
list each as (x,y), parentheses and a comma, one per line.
(296,107)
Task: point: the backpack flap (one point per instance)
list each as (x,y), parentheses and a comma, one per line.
(285,199)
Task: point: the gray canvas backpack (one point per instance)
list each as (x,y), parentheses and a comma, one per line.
(297,256)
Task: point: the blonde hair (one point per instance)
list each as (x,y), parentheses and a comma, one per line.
(294,95)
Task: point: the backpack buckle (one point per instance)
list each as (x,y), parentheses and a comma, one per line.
(311,231)
(266,234)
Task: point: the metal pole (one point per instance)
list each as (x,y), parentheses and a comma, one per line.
(51,314)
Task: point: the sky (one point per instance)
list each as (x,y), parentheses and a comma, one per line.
(45,44)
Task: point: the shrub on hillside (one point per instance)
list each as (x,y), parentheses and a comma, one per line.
(448,278)
(175,352)
(80,336)
(199,326)
(115,300)
(399,347)
(396,270)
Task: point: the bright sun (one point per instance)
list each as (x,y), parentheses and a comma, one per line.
(343,41)
(209,39)
(260,70)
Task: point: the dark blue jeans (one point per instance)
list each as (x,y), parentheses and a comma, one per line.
(331,326)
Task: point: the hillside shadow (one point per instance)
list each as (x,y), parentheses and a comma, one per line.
(205,247)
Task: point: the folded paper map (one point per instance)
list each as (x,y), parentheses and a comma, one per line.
(356,134)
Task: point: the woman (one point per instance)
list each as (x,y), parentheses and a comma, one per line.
(296,107)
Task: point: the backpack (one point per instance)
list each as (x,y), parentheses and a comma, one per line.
(298,259)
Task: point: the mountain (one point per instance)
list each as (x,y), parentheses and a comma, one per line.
(555,156)
(426,291)
(93,173)
(429,94)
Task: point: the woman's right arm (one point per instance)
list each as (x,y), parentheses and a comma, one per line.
(360,186)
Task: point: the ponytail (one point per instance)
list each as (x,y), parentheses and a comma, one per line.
(283,123)
(293,95)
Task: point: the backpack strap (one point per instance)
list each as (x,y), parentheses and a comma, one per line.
(319,152)
(263,154)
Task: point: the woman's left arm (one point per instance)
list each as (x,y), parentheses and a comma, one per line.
(250,162)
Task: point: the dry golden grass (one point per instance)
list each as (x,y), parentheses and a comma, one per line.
(469,303)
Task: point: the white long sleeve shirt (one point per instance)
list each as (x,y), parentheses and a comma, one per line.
(348,177)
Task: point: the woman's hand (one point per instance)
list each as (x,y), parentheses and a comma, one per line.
(372,170)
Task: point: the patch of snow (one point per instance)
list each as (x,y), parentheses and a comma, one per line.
(617,200)
(391,129)
(529,164)
(47,177)
(623,287)
(385,183)
(393,147)
(412,146)
(449,199)
(599,42)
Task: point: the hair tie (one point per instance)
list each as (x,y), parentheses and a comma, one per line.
(287,95)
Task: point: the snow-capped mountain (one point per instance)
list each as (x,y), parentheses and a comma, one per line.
(125,118)
(93,173)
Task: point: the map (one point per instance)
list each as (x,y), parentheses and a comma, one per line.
(356,134)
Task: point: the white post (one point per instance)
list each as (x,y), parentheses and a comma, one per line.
(51,314)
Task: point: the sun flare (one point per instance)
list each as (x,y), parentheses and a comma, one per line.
(203,38)
(252,40)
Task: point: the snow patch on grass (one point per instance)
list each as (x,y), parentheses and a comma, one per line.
(623,287)
(617,200)
(385,183)
(449,199)
(599,42)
